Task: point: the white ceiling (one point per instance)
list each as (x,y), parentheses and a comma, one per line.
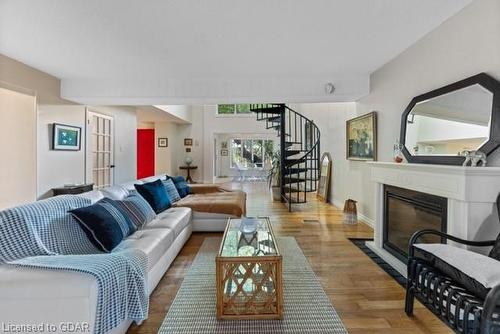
(199,51)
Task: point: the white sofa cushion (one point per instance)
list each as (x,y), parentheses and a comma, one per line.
(174,218)
(462,264)
(129,186)
(115,192)
(154,243)
(94,195)
(154,178)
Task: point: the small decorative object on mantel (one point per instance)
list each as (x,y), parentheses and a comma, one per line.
(188,141)
(350,212)
(398,152)
(474,158)
(66,137)
(162,142)
(361,137)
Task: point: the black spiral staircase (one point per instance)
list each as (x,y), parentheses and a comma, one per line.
(299,148)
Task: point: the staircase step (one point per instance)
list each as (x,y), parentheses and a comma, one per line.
(289,153)
(269,110)
(274,119)
(289,180)
(295,171)
(295,189)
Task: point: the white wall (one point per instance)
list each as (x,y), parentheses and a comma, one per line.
(165,157)
(463,46)
(17,148)
(56,168)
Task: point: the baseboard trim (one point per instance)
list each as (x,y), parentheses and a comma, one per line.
(365,219)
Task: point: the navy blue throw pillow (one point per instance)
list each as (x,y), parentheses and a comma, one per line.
(181,185)
(105,224)
(155,194)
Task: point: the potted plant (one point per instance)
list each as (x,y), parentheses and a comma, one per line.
(275,176)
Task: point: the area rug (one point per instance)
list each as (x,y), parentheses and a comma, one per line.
(307,309)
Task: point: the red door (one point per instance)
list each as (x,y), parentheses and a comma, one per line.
(145,153)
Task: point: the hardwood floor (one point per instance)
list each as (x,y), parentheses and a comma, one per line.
(367,299)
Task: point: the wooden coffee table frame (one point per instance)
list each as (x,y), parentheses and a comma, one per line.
(227,267)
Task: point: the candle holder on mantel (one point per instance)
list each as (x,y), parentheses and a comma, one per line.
(398,152)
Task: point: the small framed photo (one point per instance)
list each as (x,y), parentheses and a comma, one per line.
(361,138)
(162,142)
(188,149)
(66,137)
(224,153)
(188,141)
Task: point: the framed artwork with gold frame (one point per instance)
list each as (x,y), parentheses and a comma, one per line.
(361,138)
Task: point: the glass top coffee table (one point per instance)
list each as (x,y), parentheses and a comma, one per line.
(249,271)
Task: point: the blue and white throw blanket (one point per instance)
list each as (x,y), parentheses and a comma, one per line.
(44,235)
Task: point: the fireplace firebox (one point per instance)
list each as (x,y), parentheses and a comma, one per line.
(407,211)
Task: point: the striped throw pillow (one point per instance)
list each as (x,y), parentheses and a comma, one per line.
(137,208)
(181,186)
(105,224)
(171,190)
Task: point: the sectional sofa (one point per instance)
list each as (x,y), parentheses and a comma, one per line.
(35,296)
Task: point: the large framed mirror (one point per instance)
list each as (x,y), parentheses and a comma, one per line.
(438,126)
(325,173)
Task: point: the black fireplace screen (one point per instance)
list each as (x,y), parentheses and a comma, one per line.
(407,211)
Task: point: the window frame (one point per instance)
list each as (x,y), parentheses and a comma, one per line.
(232,164)
(234,114)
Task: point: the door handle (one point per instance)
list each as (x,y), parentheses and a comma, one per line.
(112,166)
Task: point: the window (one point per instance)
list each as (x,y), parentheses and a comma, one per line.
(251,153)
(233,109)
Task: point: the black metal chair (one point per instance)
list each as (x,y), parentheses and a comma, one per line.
(447,298)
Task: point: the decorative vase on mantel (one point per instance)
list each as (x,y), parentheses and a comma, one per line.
(398,152)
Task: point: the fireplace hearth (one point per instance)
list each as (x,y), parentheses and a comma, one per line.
(407,211)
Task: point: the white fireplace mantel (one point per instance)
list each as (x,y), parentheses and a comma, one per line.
(471,194)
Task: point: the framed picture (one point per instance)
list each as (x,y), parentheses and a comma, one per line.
(361,137)
(325,173)
(188,141)
(162,142)
(188,149)
(224,153)
(66,137)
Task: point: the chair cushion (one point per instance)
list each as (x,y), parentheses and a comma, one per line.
(115,192)
(155,194)
(137,208)
(154,243)
(181,185)
(174,218)
(171,190)
(475,272)
(105,224)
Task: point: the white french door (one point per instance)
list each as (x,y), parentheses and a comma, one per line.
(99,153)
